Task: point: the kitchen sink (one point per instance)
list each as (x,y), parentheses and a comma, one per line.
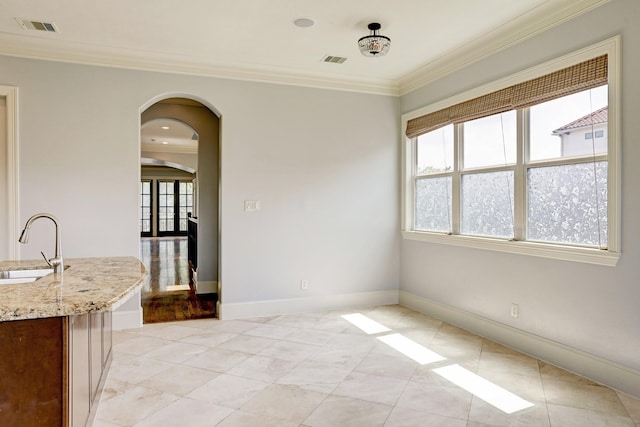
(9,277)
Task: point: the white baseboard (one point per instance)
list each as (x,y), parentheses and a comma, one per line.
(590,366)
(206,287)
(245,310)
(127,319)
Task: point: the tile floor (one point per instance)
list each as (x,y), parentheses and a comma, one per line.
(319,370)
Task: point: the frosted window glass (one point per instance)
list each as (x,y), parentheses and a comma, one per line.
(487,204)
(562,204)
(433,204)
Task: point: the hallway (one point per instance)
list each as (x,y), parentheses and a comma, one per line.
(166,294)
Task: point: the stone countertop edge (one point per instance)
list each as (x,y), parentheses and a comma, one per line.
(87,285)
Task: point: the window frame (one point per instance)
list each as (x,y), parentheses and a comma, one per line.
(172,184)
(142,206)
(561,251)
(175,184)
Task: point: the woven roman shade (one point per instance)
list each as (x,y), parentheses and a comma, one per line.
(427,123)
(585,75)
(486,105)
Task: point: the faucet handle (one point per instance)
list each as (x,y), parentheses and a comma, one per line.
(46,259)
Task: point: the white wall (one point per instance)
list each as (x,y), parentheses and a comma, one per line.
(325,169)
(594,309)
(324,164)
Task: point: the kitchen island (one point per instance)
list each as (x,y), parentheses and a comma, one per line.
(55,338)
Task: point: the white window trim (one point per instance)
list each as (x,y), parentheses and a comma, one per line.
(608,257)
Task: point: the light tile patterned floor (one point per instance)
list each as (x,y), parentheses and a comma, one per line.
(318,370)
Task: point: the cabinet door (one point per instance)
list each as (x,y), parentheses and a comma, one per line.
(95,352)
(31,378)
(107,339)
(79,370)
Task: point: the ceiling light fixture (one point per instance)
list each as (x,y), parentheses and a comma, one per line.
(374,44)
(165,127)
(165,142)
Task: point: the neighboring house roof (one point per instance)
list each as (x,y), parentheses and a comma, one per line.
(598,116)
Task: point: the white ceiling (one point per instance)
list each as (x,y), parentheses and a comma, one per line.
(168,135)
(256,39)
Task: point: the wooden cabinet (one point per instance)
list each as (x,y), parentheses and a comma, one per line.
(107,337)
(89,358)
(52,370)
(95,352)
(78,365)
(32,372)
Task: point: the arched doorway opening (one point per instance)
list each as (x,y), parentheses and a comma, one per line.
(179,208)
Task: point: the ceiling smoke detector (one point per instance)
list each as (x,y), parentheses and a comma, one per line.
(374,44)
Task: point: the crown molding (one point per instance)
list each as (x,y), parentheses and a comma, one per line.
(524,27)
(160,148)
(53,50)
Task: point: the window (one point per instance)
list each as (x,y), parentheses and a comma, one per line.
(589,135)
(166,207)
(175,202)
(185,203)
(145,208)
(526,168)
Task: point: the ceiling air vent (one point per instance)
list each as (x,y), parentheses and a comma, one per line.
(334,59)
(29,24)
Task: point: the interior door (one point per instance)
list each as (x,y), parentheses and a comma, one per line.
(175,202)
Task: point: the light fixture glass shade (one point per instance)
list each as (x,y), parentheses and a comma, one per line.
(374,44)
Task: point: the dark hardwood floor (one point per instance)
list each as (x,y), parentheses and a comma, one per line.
(166,295)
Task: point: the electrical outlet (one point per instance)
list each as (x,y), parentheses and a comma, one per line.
(304,285)
(515,310)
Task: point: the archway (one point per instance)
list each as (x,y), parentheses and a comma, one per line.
(187,153)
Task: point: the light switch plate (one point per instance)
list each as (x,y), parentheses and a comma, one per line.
(251,205)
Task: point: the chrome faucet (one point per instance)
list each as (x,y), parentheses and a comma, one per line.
(55,262)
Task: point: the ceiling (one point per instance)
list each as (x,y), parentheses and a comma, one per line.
(257,40)
(168,136)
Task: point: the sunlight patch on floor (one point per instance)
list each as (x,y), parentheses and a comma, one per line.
(369,326)
(491,393)
(177,288)
(411,349)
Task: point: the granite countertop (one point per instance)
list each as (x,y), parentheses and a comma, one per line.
(87,285)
